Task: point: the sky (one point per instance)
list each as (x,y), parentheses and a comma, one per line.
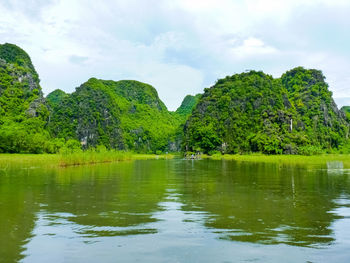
(179,46)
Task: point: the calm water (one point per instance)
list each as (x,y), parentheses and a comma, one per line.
(175,211)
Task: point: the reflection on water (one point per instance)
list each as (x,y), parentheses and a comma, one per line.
(335,165)
(265,204)
(174,211)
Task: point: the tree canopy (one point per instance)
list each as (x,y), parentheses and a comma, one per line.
(253,112)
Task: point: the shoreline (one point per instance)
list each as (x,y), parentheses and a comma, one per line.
(90,158)
(309,160)
(74,159)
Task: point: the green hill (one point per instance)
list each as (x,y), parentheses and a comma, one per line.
(123,114)
(248,112)
(23,112)
(55,97)
(253,112)
(346,110)
(187,105)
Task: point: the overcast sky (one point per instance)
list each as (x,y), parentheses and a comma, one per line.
(179,46)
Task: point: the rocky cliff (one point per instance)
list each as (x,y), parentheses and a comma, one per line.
(23,111)
(123,114)
(253,112)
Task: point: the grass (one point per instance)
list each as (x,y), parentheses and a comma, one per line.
(92,157)
(75,158)
(11,160)
(140,156)
(313,160)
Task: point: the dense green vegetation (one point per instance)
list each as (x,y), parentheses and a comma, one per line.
(23,112)
(253,112)
(243,113)
(126,115)
(74,157)
(346,110)
(187,105)
(123,115)
(309,162)
(55,98)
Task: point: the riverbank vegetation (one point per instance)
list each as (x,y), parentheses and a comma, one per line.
(92,156)
(309,161)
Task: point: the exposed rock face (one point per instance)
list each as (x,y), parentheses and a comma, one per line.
(36,107)
(19,81)
(88,115)
(23,111)
(311,96)
(20,77)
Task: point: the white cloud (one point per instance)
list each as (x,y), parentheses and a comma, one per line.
(179,46)
(252,47)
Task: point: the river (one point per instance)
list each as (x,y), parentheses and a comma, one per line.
(175,211)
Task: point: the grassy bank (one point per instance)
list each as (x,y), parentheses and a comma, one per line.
(313,160)
(74,158)
(91,157)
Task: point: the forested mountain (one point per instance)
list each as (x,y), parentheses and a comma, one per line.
(187,105)
(346,110)
(248,112)
(23,112)
(253,112)
(55,98)
(123,114)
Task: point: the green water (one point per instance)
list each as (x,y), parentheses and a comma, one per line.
(175,211)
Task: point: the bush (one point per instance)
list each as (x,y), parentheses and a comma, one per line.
(71,146)
(309,150)
(345,148)
(214,153)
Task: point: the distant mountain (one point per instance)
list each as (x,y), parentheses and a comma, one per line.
(55,97)
(187,105)
(346,110)
(123,114)
(253,112)
(23,111)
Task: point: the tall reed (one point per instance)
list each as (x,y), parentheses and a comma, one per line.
(313,160)
(92,156)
